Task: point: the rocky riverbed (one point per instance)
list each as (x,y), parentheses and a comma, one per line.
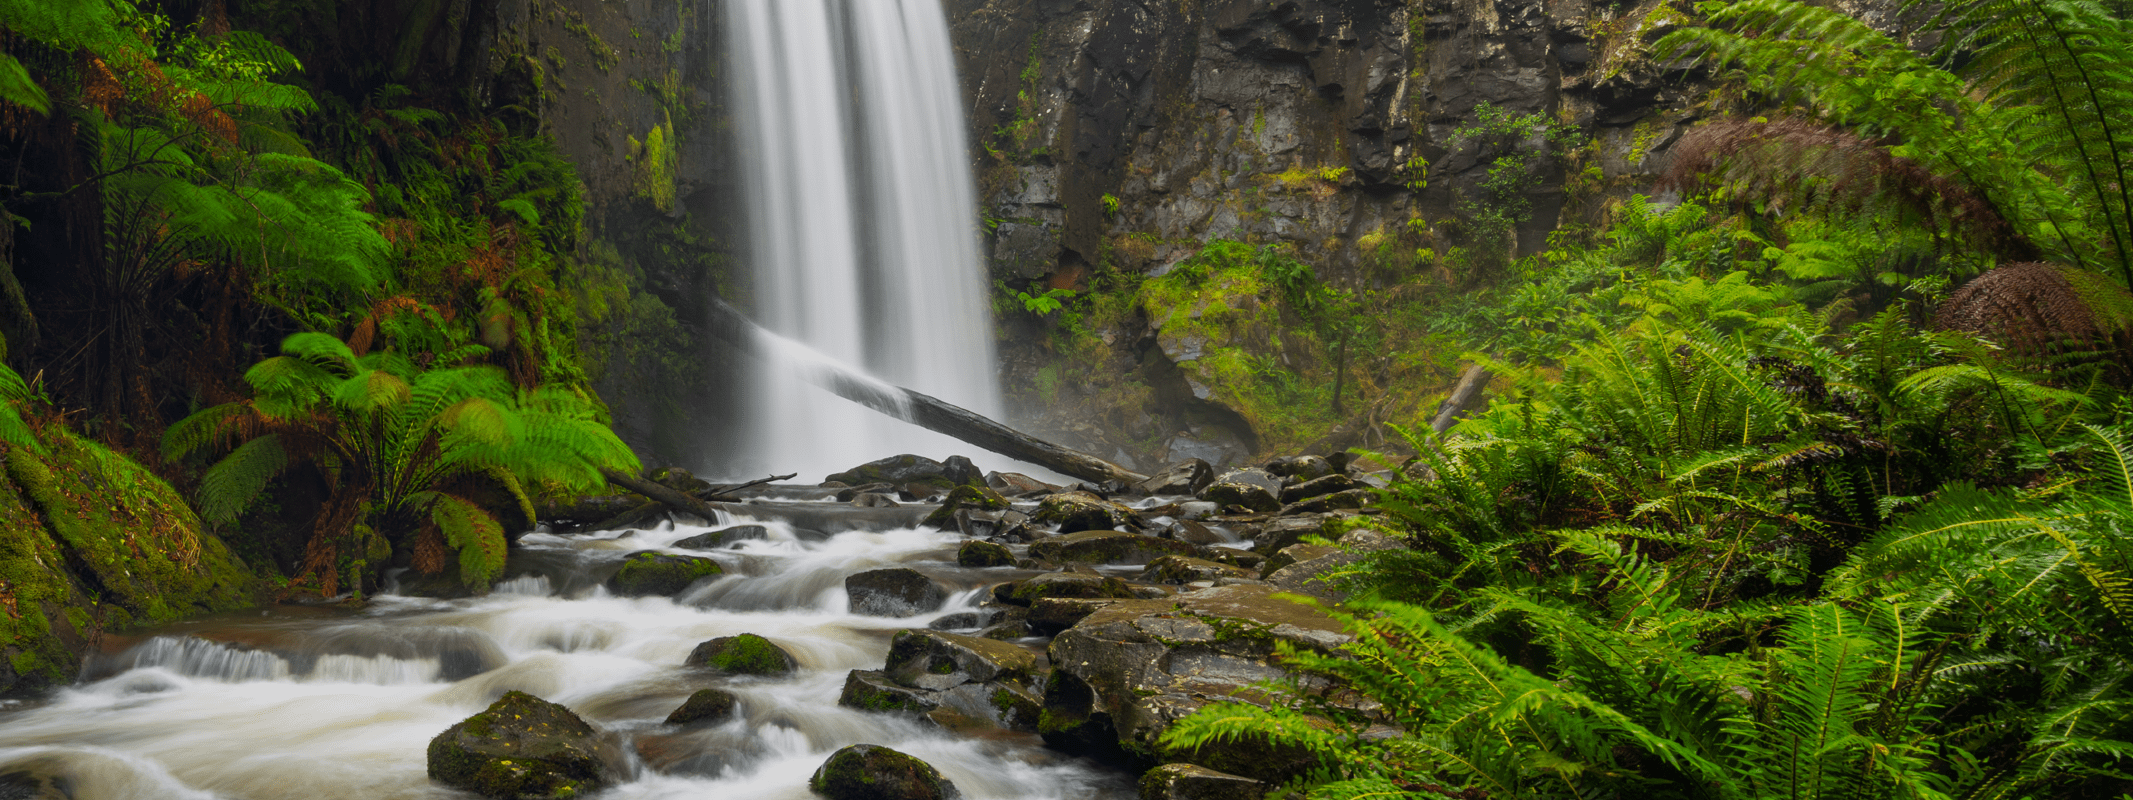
(910,629)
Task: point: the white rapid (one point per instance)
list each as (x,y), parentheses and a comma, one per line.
(309,703)
(861,222)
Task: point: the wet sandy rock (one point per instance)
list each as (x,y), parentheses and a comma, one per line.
(873,772)
(1186,569)
(1195,782)
(893,592)
(1108,547)
(746,654)
(521,748)
(665,574)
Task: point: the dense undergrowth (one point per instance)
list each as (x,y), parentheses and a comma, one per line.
(1812,483)
(188,198)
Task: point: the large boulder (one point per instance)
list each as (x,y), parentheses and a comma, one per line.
(872,690)
(1251,488)
(706,705)
(653,573)
(1108,547)
(1082,511)
(1185,477)
(724,537)
(1127,672)
(873,772)
(976,498)
(936,660)
(893,592)
(1311,569)
(1195,782)
(1350,499)
(746,654)
(1281,532)
(908,469)
(523,747)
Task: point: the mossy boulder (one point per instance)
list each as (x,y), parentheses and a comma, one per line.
(1316,487)
(724,537)
(873,772)
(870,690)
(980,554)
(652,573)
(746,654)
(893,592)
(1082,511)
(1242,495)
(1108,547)
(1195,782)
(908,469)
(92,541)
(1301,468)
(1062,584)
(1349,499)
(1050,615)
(1186,569)
(706,705)
(1185,477)
(521,748)
(977,498)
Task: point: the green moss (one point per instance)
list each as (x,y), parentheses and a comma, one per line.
(655,161)
(746,654)
(653,573)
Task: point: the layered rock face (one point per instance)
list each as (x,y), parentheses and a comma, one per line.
(1117,137)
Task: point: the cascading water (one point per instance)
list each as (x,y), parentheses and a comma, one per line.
(861,222)
(300,704)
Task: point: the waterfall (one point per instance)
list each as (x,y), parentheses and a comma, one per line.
(861,222)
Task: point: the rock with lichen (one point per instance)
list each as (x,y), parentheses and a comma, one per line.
(523,748)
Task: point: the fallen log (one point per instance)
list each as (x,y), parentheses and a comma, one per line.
(1464,395)
(674,499)
(918,409)
(636,516)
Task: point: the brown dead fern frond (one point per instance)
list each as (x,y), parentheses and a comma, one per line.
(1809,165)
(2042,311)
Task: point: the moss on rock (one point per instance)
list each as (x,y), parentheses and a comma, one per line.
(706,705)
(872,772)
(650,573)
(746,654)
(977,498)
(522,747)
(983,554)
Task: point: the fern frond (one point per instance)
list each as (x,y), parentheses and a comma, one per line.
(470,530)
(230,486)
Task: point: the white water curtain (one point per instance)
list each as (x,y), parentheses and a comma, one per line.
(861,222)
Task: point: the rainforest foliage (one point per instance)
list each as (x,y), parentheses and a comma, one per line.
(1816,482)
(355,302)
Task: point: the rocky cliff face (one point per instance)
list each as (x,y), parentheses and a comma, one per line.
(1119,136)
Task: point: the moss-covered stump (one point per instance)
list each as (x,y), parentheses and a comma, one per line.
(976,498)
(983,554)
(1062,584)
(870,690)
(1108,547)
(746,654)
(522,748)
(91,541)
(706,705)
(1195,782)
(873,772)
(908,469)
(1081,511)
(650,573)
(893,592)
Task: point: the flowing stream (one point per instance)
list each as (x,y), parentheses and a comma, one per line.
(862,222)
(307,703)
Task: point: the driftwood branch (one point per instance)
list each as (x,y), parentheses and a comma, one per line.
(677,500)
(925,411)
(636,517)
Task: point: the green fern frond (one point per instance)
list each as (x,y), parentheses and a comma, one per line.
(230,486)
(474,534)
